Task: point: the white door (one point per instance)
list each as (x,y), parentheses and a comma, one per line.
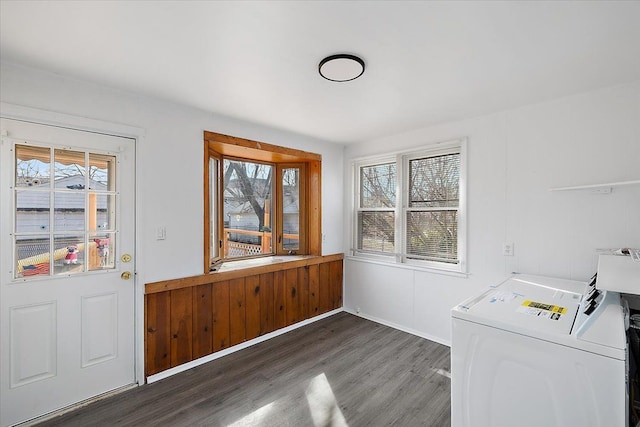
(67,260)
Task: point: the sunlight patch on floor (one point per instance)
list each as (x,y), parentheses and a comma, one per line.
(442,372)
(256,417)
(322,403)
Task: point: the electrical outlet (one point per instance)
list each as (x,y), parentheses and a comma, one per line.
(507,249)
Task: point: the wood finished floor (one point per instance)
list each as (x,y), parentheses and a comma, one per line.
(339,371)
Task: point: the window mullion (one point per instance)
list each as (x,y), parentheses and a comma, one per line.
(402,183)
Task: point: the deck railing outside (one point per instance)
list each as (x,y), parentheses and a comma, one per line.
(234,248)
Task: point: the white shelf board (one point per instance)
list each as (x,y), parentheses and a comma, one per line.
(596,186)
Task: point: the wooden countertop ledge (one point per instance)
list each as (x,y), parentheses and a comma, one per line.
(242,268)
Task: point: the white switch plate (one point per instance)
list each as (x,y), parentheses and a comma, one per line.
(507,249)
(161,233)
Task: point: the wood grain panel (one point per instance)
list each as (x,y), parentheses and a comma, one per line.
(314,208)
(266,304)
(324,300)
(181,326)
(335,274)
(202,321)
(189,322)
(237,311)
(252,292)
(220,316)
(303,289)
(240,147)
(279,292)
(292,296)
(314,290)
(234,270)
(158,336)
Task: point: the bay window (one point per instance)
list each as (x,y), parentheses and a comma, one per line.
(260,200)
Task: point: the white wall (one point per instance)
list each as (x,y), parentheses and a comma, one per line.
(514,158)
(169,162)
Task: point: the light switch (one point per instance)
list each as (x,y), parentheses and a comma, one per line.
(161,233)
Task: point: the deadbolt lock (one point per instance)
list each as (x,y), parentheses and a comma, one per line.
(125,258)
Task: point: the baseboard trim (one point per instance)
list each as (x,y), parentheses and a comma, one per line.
(399,327)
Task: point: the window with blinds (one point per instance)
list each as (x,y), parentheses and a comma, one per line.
(377,205)
(432,211)
(410,207)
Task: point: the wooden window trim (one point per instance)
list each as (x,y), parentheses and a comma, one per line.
(224,146)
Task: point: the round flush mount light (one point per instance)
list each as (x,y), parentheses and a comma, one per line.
(341,67)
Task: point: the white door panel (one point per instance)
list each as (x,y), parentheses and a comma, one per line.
(67,316)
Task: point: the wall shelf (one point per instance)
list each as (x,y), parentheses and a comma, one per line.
(597,188)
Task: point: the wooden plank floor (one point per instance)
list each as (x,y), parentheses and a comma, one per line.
(339,371)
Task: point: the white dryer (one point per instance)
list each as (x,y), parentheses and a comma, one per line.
(538,351)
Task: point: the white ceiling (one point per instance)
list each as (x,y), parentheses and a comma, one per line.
(426,62)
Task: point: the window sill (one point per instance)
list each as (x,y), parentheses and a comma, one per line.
(242,264)
(413,267)
(243,268)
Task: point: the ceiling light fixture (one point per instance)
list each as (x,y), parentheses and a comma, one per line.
(341,67)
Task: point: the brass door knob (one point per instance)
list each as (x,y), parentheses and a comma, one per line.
(126,275)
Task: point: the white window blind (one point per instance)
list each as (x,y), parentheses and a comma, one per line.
(410,207)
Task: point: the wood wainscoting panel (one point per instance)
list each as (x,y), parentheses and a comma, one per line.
(292,297)
(279,291)
(314,290)
(237,312)
(181,326)
(190,318)
(158,332)
(266,304)
(220,295)
(335,284)
(324,290)
(202,321)
(252,307)
(303,289)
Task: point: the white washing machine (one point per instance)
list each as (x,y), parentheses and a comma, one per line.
(538,351)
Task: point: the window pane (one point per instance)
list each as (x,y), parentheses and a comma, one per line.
(247,208)
(32,256)
(33,166)
(214,243)
(433,235)
(102,172)
(32,211)
(434,181)
(376,231)
(102,211)
(102,251)
(68,211)
(68,254)
(69,169)
(291,208)
(378,186)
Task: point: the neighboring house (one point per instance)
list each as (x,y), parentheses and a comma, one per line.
(32,213)
(240,215)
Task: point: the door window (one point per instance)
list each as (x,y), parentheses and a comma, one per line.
(64,211)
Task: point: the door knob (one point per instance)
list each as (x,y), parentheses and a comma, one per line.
(126,275)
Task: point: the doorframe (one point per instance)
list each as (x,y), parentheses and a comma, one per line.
(45,117)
